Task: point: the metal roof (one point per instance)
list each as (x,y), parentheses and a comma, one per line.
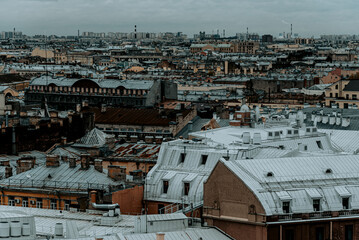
(303,179)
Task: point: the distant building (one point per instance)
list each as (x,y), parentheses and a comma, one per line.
(66,93)
(267,38)
(343,94)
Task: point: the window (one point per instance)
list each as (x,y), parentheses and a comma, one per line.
(161,209)
(319,233)
(182,157)
(11,201)
(336,95)
(204,159)
(67,205)
(349,232)
(165,186)
(319,144)
(316,205)
(331,95)
(277,134)
(286,207)
(53,204)
(354,97)
(186,189)
(39,203)
(270,134)
(347,96)
(345,202)
(25,202)
(307,130)
(296,131)
(336,86)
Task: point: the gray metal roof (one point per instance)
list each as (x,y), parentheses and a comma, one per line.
(103,83)
(302,179)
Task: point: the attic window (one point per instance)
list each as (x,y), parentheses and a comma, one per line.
(320,145)
(328,171)
(182,157)
(204,159)
(49,176)
(270,174)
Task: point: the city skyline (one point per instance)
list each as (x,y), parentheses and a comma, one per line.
(65,17)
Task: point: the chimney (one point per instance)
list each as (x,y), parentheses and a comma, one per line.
(98,165)
(103,108)
(85,161)
(93,194)
(160,236)
(72,162)
(117,172)
(24,164)
(63,141)
(5,163)
(8,172)
(52,161)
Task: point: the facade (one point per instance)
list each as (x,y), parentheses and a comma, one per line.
(68,92)
(150,125)
(343,94)
(249,47)
(284,198)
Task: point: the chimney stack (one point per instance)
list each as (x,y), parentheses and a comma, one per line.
(117,172)
(8,172)
(24,164)
(63,141)
(160,236)
(52,161)
(85,161)
(98,165)
(72,162)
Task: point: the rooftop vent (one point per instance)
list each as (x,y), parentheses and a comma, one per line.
(270,174)
(328,171)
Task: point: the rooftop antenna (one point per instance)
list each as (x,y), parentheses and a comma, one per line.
(135,31)
(291,30)
(224,33)
(13,36)
(247,34)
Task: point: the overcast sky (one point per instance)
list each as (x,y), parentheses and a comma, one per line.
(64,17)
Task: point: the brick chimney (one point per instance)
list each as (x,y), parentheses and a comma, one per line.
(25,163)
(5,163)
(98,165)
(63,141)
(72,162)
(160,236)
(8,172)
(117,172)
(85,161)
(52,161)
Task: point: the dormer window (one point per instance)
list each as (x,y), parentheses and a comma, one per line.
(316,205)
(270,174)
(328,171)
(286,207)
(345,203)
(182,157)
(165,186)
(186,188)
(204,159)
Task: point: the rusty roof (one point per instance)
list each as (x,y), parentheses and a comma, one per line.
(126,116)
(138,151)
